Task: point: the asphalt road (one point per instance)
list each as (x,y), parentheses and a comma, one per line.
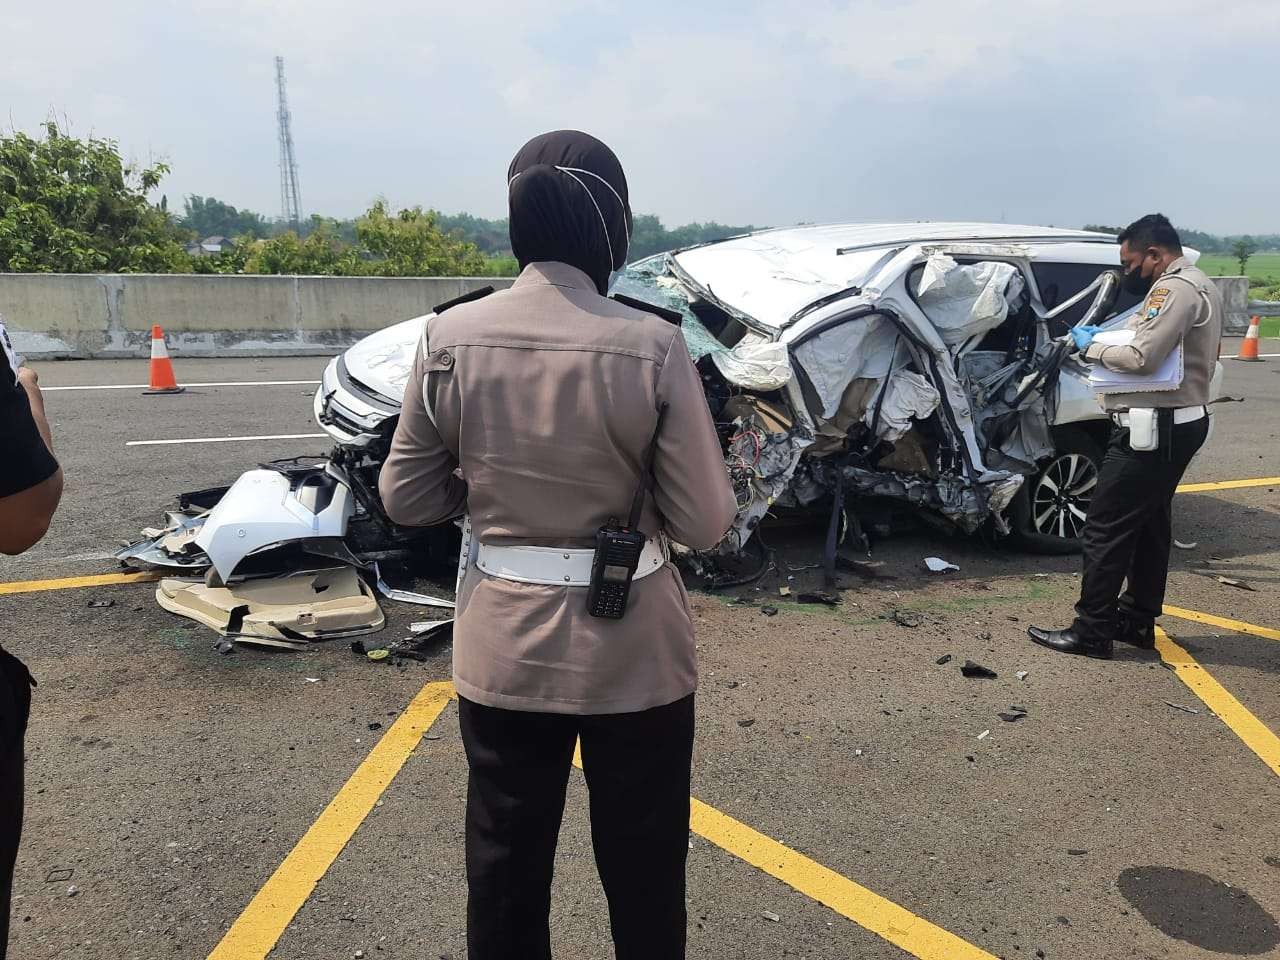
(166,782)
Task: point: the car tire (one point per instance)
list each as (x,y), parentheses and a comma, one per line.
(1045,521)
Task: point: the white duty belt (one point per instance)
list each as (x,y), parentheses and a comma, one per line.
(556,566)
(1180,415)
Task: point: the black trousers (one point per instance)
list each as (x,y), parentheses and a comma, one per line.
(15,705)
(1129,529)
(637,773)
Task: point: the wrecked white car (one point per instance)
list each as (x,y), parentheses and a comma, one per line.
(921,362)
(849,368)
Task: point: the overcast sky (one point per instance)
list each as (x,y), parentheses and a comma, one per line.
(1037,111)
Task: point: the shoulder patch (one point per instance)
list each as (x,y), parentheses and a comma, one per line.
(1160,292)
(671,316)
(1153,312)
(465,298)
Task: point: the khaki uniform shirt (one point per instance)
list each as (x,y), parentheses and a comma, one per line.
(1183,306)
(541,402)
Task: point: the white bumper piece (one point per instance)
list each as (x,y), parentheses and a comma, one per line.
(263,509)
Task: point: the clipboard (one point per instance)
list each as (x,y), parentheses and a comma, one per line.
(1168,376)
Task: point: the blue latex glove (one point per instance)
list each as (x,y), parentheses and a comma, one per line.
(1083,336)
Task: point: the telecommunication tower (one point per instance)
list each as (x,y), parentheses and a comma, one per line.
(290,205)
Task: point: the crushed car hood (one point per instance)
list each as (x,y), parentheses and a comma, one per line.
(772,275)
(382,360)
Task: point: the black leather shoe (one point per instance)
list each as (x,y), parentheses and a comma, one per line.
(1136,633)
(1068,641)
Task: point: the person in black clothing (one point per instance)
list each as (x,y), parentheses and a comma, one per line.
(30,488)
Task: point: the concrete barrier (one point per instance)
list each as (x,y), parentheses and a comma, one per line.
(54,316)
(1235,300)
(61,315)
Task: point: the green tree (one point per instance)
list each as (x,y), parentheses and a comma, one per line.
(411,244)
(209,216)
(501,267)
(74,206)
(321,252)
(649,236)
(491,236)
(1242,250)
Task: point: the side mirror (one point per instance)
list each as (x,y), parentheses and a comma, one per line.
(1104,300)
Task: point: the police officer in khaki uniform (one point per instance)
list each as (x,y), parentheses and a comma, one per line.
(541,411)
(1128,530)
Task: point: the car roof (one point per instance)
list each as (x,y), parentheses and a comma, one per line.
(770,275)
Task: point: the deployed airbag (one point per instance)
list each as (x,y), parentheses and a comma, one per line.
(860,348)
(755,363)
(907,397)
(966,300)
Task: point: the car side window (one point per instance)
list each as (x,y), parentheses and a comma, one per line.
(1062,281)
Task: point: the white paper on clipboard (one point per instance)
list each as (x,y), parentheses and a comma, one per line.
(1167,377)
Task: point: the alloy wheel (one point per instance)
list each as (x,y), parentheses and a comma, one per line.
(1062,494)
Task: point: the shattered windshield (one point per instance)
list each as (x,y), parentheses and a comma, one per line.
(651,281)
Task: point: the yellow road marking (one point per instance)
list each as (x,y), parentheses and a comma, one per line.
(869,910)
(1255,734)
(70,583)
(1239,626)
(1228,485)
(257,929)
(886,919)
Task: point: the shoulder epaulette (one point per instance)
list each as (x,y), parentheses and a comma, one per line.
(671,316)
(465,298)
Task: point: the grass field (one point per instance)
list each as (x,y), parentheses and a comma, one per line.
(1264,271)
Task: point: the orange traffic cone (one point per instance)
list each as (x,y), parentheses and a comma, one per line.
(162,379)
(1249,345)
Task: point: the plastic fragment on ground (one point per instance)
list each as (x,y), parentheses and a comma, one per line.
(976,671)
(288,611)
(1233,582)
(938,565)
(409,596)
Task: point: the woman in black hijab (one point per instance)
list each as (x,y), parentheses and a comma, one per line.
(548,398)
(568,203)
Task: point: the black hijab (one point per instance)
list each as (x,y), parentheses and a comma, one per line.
(568,202)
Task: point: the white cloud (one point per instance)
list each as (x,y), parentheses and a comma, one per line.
(1035,109)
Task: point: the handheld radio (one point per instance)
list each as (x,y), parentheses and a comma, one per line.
(618,548)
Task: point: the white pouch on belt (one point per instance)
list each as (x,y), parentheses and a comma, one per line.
(1144,429)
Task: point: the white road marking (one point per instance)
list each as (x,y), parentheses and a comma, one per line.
(279,436)
(220,383)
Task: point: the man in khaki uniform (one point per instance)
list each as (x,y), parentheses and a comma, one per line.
(533,410)
(1128,530)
